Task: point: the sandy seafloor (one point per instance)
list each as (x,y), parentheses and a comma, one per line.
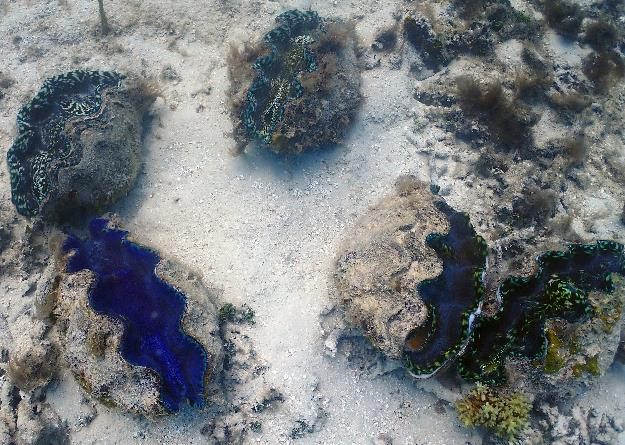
(264,228)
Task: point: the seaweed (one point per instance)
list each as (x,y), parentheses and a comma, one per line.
(564,17)
(604,68)
(508,121)
(558,289)
(576,148)
(601,35)
(571,101)
(127,289)
(103,21)
(532,84)
(453,298)
(534,206)
(42,146)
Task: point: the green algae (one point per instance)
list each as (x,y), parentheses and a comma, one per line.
(590,366)
(554,360)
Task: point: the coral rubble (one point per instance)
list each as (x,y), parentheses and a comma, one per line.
(78,143)
(138,331)
(302,86)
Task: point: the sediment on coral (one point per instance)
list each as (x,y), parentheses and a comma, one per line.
(558,289)
(303,86)
(127,289)
(78,144)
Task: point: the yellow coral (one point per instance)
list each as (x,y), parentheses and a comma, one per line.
(503,413)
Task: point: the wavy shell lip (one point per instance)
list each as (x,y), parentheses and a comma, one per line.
(41,138)
(78,145)
(416,246)
(277,69)
(558,289)
(297,88)
(458,288)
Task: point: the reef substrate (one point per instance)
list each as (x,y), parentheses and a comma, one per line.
(411,277)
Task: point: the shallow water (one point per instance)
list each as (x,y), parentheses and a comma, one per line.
(265,229)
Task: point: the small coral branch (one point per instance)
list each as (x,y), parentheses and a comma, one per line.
(505,414)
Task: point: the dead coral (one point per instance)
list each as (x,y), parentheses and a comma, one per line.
(419,33)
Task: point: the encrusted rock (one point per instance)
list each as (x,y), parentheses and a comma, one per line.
(578,426)
(32,361)
(382,262)
(39,424)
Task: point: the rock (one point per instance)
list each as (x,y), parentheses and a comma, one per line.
(410,278)
(381,264)
(32,362)
(578,426)
(38,424)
